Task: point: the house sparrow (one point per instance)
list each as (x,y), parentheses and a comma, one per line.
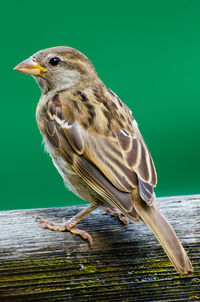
(96,146)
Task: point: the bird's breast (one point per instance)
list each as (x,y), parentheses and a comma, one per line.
(40,111)
(71,179)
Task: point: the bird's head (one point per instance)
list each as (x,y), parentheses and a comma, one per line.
(58,68)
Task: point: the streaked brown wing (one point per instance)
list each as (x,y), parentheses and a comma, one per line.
(97,180)
(62,138)
(126,168)
(139,160)
(122,157)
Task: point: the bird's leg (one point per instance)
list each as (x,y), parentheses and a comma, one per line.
(70,224)
(117,213)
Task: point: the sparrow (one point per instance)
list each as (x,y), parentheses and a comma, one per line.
(96,146)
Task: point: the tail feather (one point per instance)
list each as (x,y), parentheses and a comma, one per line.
(165,235)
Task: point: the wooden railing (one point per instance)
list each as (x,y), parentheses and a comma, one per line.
(126,263)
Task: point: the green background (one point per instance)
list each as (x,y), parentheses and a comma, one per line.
(148,52)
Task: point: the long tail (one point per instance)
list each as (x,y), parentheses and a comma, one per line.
(165,234)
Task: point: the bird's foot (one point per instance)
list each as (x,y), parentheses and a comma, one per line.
(70,224)
(65,226)
(118,214)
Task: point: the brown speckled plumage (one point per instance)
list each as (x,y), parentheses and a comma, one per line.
(96,145)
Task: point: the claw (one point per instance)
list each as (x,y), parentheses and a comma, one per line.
(82,234)
(64,226)
(118,214)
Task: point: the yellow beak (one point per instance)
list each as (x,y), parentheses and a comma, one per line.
(30,66)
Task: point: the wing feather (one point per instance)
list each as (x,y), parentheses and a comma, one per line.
(137,156)
(73,134)
(121,158)
(96,180)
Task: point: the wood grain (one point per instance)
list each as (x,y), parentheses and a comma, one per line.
(125,263)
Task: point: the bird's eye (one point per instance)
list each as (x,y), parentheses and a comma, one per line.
(54,61)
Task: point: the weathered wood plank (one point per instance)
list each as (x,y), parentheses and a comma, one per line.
(125,263)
